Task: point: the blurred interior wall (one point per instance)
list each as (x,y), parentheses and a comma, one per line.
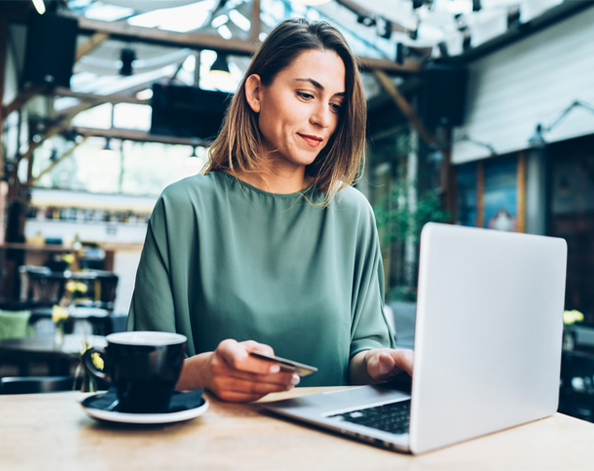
(530,81)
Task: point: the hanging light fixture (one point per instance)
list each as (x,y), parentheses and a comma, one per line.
(127,56)
(194,160)
(220,68)
(108,150)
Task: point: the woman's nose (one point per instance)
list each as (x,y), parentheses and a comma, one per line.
(322,116)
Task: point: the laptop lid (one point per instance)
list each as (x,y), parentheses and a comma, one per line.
(488,332)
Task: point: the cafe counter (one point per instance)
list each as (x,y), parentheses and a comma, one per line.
(38,254)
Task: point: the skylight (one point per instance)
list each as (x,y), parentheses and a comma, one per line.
(104,12)
(179,19)
(240,20)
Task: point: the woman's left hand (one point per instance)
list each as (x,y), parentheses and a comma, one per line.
(383,363)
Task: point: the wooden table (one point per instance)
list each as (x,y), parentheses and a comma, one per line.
(51,432)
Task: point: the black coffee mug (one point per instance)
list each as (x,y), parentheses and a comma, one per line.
(143,366)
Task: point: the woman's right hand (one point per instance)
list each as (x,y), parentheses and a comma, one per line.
(233,374)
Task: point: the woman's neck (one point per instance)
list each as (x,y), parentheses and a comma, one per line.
(275,178)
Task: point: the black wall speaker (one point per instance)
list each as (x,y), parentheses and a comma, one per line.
(445,94)
(184,111)
(51,46)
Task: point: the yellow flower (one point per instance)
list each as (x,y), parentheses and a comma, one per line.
(97,361)
(569,317)
(59,314)
(74,286)
(68,258)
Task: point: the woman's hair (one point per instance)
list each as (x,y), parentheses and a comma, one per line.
(238,145)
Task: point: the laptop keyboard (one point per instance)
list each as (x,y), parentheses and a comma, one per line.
(393,418)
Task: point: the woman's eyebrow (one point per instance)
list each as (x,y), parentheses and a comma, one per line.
(318,85)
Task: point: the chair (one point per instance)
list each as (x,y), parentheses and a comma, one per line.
(106,285)
(38,384)
(43,286)
(576,394)
(102,286)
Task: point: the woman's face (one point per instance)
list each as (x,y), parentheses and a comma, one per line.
(300,109)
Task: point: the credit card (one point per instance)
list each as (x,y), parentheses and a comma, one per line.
(289,366)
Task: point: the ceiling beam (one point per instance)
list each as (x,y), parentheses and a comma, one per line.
(125,32)
(123,96)
(407,110)
(51,166)
(90,45)
(140,136)
(114,98)
(52,131)
(255,21)
(23,97)
(410,66)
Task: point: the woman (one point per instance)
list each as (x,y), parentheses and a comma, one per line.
(271,249)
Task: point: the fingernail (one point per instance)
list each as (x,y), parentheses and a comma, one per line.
(295,380)
(274,369)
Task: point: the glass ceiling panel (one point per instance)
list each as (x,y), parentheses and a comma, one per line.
(434,23)
(106,12)
(425,26)
(132,116)
(180,19)
(98,117)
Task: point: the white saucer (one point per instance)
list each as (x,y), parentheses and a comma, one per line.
(158,418)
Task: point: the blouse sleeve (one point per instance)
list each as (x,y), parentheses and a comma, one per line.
(369,327)
(152,306)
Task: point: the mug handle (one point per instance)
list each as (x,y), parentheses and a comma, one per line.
(87,362)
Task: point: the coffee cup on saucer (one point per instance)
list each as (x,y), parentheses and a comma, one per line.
(142,366)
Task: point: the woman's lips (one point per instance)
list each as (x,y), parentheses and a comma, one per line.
(313,141)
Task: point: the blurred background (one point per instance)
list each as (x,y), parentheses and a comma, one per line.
(480,113)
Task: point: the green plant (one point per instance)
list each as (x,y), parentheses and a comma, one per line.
(403,293)
(400,216)
(399,219)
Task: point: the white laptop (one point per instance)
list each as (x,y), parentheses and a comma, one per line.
(487,346)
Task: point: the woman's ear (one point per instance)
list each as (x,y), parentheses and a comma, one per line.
(253,92)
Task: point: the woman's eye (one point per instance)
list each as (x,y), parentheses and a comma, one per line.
(336,107)
(305,96)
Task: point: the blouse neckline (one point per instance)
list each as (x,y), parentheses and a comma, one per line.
(255,189)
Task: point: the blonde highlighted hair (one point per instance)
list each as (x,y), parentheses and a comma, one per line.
(238,145)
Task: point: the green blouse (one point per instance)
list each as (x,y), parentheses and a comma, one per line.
(223,259)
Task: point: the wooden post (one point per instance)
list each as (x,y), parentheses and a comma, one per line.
(255,22)
(3,46)
(480,192)
(521,187)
